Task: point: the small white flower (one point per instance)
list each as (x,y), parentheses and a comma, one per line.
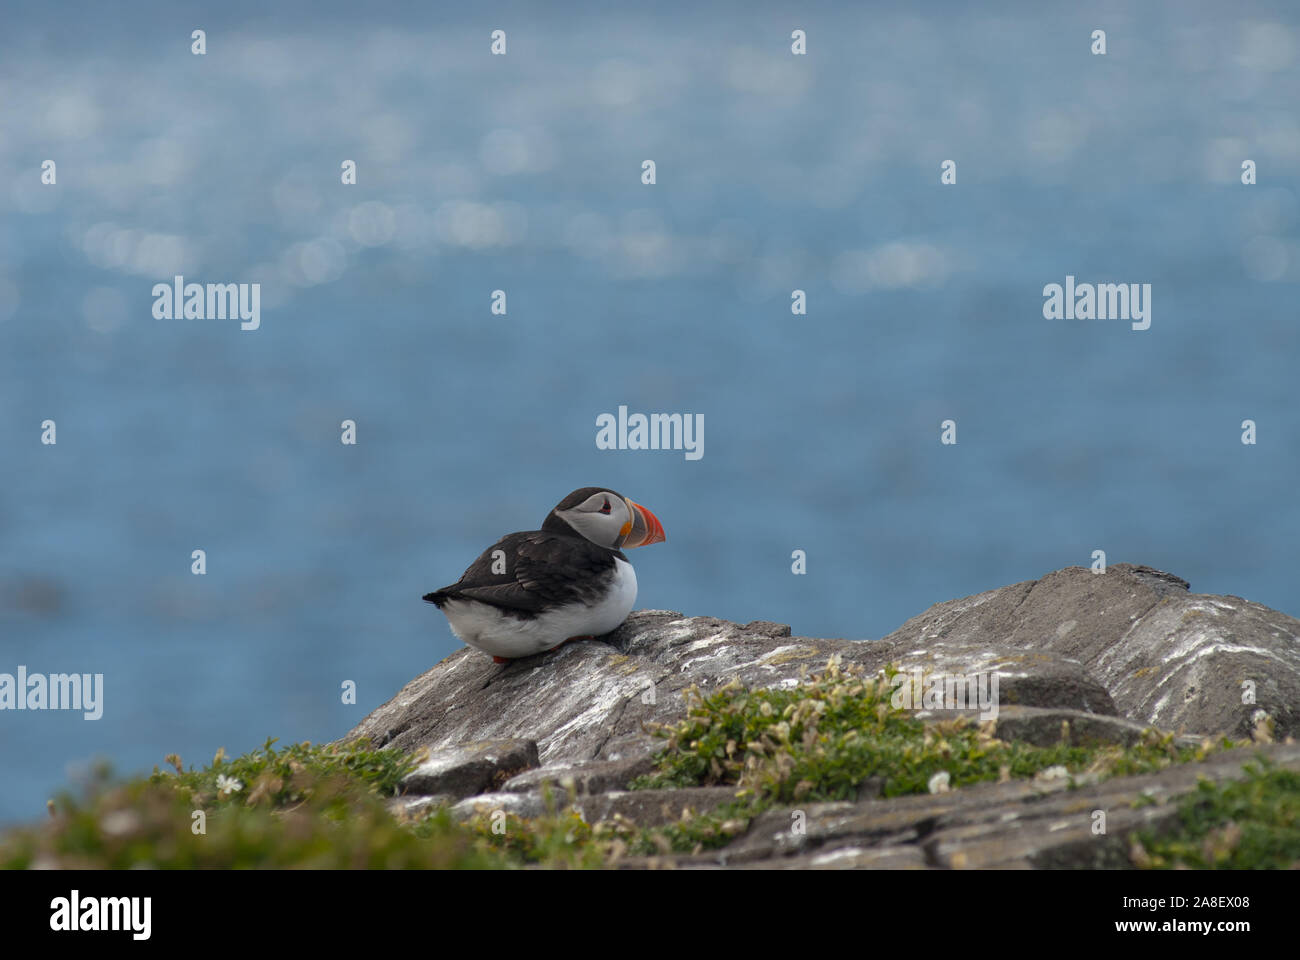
(939,783)
(227,784)
(1057,772)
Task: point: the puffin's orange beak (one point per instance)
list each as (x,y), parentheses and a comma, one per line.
(644,529)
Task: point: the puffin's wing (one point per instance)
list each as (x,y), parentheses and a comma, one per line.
(532,572)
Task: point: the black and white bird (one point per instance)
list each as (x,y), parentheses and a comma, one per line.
(533,591)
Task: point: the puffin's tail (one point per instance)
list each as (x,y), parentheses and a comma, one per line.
(437,598)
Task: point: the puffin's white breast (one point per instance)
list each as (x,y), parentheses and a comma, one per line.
(492,630)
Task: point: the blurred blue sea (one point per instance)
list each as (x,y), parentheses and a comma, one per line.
(523,173)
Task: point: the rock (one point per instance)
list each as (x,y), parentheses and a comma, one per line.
(1044,727)
(1036,824)
(526,805)
(1031,679)
(416,807)
(465,769)
(590,700)
(1168,658)
(1097,657)
(594,777)
(897,857)
(650,808)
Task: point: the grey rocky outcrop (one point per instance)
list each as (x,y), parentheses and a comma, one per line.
(1167,657)
(1104,654)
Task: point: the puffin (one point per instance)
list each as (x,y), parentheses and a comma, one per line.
(533,591)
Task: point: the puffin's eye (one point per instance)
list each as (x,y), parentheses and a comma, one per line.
(605,508)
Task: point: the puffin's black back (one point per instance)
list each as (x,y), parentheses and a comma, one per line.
(543,569)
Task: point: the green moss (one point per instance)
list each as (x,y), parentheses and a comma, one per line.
(1236,825)
(286,777)
(561,838)
(302,806)
(822,739)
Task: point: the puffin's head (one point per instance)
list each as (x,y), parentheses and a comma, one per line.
(606,518)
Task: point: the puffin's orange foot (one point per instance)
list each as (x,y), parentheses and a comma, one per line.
(496,659)
(585,636)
